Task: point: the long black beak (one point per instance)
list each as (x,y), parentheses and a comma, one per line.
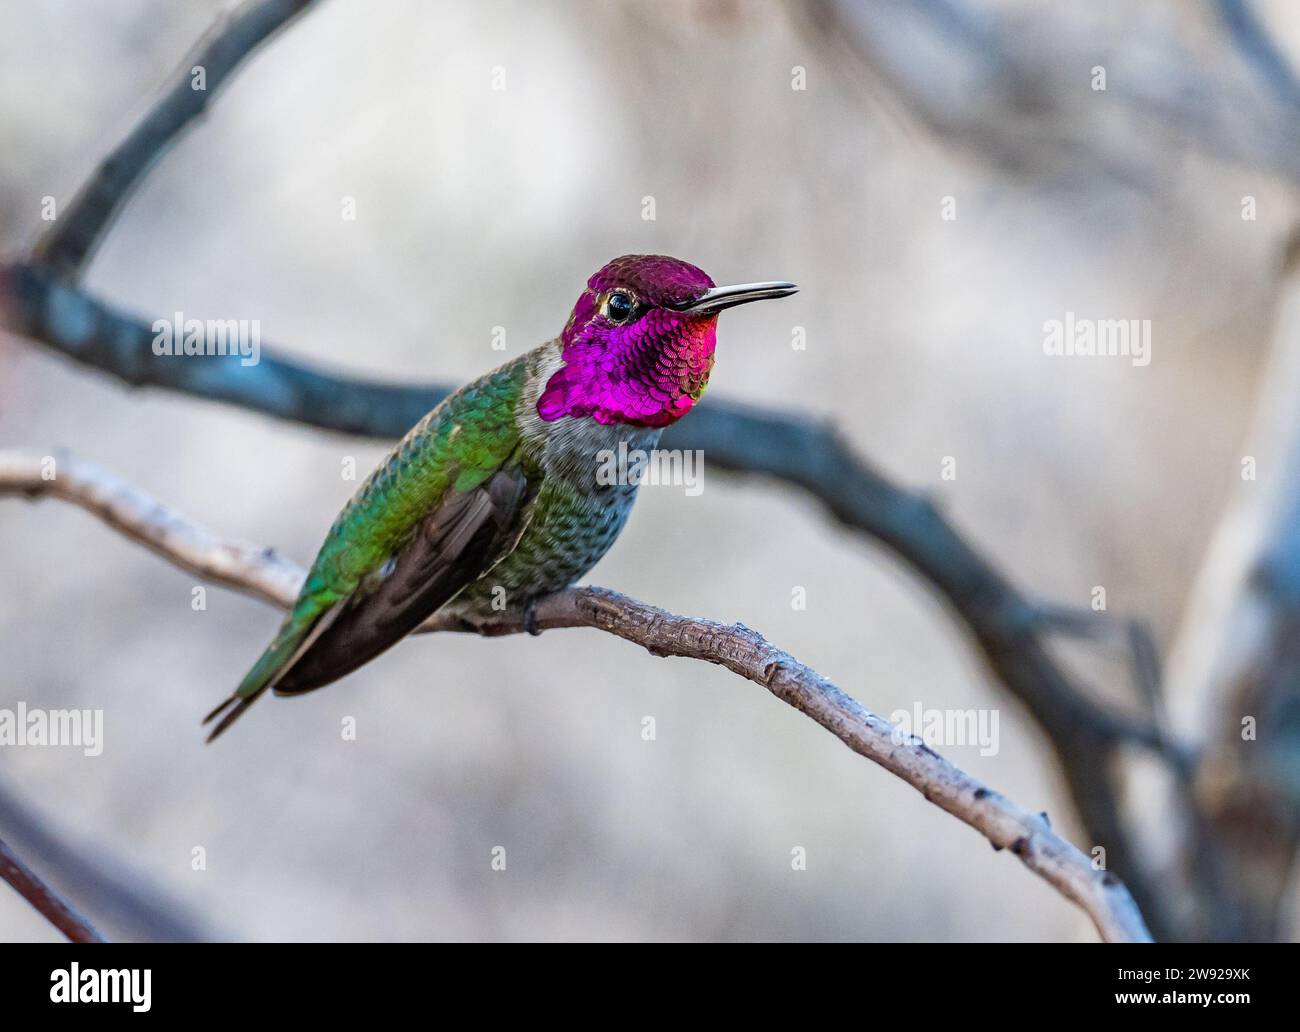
(718,298)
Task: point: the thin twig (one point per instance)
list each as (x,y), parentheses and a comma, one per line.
(743,651)
(122,898)
(72,239)
(28,885)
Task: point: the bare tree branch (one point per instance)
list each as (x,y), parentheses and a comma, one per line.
(1012,83)
(745,652)
(235,564)
(72,239)
(38,302)
(1236,663)
(41,306)
(1260,50)
(1007,627)
(28,885)
(121,899)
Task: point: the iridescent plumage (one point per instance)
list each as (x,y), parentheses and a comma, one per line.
(493,498)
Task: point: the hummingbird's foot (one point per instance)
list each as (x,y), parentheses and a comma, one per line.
(530,618)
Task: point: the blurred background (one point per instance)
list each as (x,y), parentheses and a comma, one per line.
(479,207)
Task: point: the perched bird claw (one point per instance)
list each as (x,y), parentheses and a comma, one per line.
(530,618)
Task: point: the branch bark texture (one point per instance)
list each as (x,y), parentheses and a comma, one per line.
(51,906)
(262,573)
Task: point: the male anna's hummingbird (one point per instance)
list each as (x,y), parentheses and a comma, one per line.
(494,495)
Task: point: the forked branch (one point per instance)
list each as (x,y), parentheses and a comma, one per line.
(262,573)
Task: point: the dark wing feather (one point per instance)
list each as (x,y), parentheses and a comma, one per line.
(451,547)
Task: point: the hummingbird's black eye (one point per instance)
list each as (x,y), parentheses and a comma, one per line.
(619,307)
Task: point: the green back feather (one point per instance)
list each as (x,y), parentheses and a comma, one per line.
(457,446)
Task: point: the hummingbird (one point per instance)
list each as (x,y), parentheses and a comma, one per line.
(493,499)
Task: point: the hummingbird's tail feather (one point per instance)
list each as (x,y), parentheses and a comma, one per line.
(220,708)
(302,627)
(329,635)
(239,706)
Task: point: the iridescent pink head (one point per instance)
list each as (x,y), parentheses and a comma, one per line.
(639,345)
